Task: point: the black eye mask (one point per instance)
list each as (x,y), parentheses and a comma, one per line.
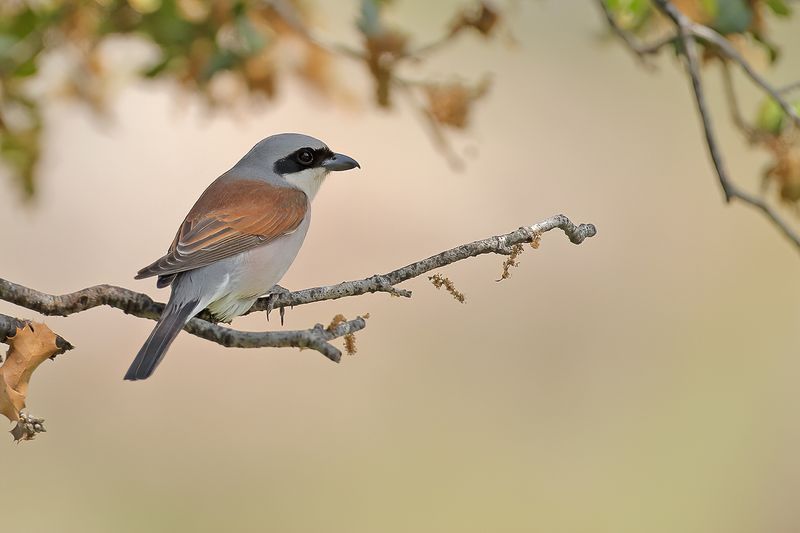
(298,160)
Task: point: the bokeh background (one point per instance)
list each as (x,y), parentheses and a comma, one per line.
(643,381)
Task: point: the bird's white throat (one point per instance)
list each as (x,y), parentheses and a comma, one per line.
(308,181)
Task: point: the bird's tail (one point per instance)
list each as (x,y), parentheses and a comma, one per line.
(172,320)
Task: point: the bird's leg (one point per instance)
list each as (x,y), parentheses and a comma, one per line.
(273,295)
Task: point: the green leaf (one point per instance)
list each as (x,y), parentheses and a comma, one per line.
(771,118)
(630,14)
(711,7)
(27,68)
(253,40)
(733,16)
(779,7)
(370,20)
(221,60)
(772,50)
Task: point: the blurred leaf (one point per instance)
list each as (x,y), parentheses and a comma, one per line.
(732,16)
(19,145)
(26,68)
(630,14)
(785,169)
(450,104)
(252,39)
(771,118)
(382,53)
(196,40)
(779,7)
(711,7)
(773,52)
(483,19)
(369,21)
(145,6)
(220,60)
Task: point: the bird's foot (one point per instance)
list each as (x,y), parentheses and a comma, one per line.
(273,295)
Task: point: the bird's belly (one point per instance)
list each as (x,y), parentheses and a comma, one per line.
(253,273)
(261,268)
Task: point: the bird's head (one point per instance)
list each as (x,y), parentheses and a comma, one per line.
(301,160)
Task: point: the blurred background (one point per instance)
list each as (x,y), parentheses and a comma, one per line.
(642,381)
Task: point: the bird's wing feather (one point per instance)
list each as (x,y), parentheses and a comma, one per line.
(232,216)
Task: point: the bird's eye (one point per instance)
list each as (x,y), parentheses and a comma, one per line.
(306,157)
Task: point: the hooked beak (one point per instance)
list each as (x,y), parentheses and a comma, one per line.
(340,162)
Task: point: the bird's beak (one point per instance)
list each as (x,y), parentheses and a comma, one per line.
(340,162)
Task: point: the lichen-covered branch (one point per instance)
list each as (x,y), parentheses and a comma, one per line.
(500,244)
(316,338)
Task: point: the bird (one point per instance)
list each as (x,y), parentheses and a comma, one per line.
(239,238)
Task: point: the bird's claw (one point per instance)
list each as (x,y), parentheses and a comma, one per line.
(276,291)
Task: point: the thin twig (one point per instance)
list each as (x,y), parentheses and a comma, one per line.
(640,49)
(789,88)
(693,69)
(733,104)
(729,51)
(688,32)
(500,244)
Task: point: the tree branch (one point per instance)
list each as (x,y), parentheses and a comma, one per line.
(688,32)
(317,338)
(640,49)
(747,130)
(727,50)
(500,244)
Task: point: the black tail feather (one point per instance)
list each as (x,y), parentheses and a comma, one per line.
(169,325)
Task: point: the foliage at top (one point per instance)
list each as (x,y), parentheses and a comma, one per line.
(745,24)
(198,44)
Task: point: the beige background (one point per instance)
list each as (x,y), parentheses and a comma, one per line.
(643,381)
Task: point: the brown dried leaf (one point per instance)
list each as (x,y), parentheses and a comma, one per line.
(696,10)
(450,103)
(28,348)
(383,50)
(484,20)
(785,168)
(758,25)
(283,20)
(260,74)
(193,10)
(315,68)
(786,173)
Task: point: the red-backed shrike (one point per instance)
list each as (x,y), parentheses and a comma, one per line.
(240,237)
